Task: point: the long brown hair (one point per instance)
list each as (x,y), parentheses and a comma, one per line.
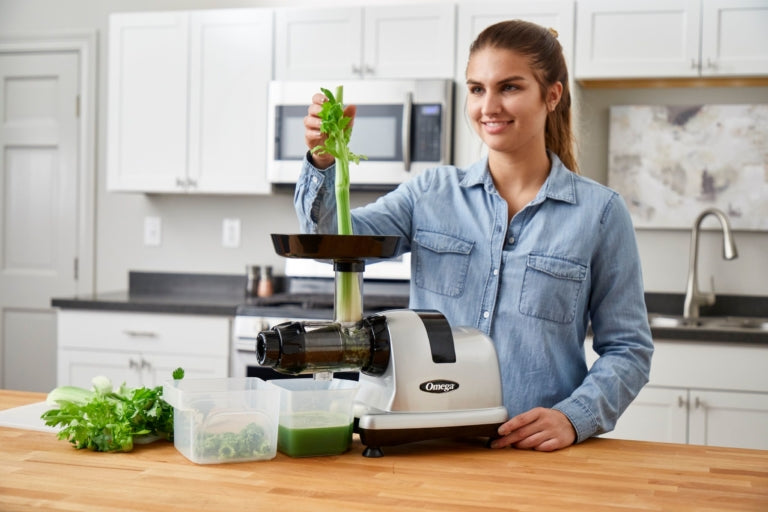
(546,58)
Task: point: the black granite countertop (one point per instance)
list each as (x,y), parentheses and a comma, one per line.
(218,294)
(214,294)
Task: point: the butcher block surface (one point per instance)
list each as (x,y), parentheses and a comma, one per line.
(40,472)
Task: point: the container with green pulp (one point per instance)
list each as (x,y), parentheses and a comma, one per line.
(316,416)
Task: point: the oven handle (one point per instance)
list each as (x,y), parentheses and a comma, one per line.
(406,131)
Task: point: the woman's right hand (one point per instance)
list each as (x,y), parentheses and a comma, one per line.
(312,135)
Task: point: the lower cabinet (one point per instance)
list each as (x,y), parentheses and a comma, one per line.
(696,416)
(704,393)
(140,349)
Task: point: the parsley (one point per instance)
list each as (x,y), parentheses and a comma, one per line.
(109,420)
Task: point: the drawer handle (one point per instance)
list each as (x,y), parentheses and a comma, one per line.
(140,334)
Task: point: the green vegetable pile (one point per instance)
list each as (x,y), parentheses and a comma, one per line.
(250,442)
(107,420)
(338,129)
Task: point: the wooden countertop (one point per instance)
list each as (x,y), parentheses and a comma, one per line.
(37,471)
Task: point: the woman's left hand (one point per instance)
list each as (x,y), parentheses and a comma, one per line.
(538,429)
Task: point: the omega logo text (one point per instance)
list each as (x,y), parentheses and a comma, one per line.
(438,386)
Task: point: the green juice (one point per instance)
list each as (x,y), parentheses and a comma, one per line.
(313,433)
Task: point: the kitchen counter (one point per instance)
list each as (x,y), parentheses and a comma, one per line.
(39,472)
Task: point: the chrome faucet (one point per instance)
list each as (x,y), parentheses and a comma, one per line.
(693,297)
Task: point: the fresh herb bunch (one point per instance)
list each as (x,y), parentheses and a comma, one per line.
(106,420)
(338,129)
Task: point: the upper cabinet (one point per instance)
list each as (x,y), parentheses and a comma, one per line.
(671,38)
(415,41)
(187,101)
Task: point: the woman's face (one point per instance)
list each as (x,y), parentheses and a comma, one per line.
(504,101)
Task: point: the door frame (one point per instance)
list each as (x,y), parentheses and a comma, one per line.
(84,45)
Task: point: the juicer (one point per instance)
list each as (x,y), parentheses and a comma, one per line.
(420,378)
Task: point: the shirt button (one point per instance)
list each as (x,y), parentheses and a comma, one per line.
(486,314)
(511,240)
(495,271)
(314,179)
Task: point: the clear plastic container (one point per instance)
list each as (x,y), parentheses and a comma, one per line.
(224,420)
(316,416)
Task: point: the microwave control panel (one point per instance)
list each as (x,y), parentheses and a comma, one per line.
(426,129)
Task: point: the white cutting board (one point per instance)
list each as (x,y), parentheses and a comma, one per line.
(27,417)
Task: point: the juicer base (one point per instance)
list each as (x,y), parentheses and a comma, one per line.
(390,429)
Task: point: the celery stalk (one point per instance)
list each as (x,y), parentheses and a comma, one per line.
(338,130)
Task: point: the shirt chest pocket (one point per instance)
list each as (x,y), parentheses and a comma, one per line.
(551,287)
(442,262)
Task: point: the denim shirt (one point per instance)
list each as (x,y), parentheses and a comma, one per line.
(533,285)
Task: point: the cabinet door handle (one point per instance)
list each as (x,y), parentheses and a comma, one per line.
(191,183)
(181,183)
(711,64)
(145,365)
(133,365)
(698,402)
(140,334)
(681,402)
(694,64)
(357,70)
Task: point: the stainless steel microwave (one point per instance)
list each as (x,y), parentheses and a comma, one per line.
(402,126)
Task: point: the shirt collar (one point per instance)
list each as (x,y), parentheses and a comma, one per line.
(560,185)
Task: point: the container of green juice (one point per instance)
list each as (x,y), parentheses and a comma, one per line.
(316,416)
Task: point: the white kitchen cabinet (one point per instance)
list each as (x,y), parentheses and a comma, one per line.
(409,41)
(472,18)
(187,101)
(706,393)
(671,38)
(696,416)
(140,349)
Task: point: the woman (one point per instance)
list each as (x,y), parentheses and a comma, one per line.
(518,245)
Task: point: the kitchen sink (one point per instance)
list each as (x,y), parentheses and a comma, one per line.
(722,323)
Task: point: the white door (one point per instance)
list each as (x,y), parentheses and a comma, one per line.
(657,414)
(39,169)
(734,38)
(724,418)
(230,69)
(417,42)
(79,367)
(147,102)
(299,56)
(653,38)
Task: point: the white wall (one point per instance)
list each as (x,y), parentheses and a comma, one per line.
(192,224)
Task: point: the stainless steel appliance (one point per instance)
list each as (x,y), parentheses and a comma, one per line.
(401,126)
(420,378)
